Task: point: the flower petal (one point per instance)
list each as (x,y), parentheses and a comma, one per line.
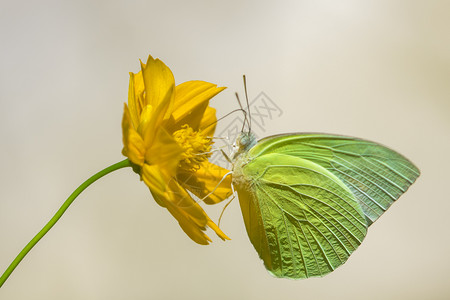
(191,101)
(158,81)
(190,216)
(164,152)
(136,97)
(207,179)
(133,145)
(217,230)
(155,179)
(155,122)
(208,122)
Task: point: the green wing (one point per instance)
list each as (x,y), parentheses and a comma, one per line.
(302,220)
(376,175)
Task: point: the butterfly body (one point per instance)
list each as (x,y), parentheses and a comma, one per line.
(308,199)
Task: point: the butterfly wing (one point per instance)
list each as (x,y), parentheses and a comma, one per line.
(376,175)
(302,220)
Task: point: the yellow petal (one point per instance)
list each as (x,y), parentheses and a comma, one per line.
(191,101)
(218,231)
(208,122)
(139,86)
(180,198)
(136,97)
(191,229)
(190,93)
(145,119)
(133,145)
(190,216)
(155,120)
(155,178)
(158,81)
(164,152)
(207,179)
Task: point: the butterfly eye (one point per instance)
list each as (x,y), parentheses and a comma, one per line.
(244,140)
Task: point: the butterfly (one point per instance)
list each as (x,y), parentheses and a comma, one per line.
(307,199)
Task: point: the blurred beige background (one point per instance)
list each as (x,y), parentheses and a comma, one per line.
(373,69)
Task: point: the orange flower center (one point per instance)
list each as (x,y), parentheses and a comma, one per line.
(196,147)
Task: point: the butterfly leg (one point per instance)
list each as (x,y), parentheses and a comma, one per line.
(215,188)
(226,205)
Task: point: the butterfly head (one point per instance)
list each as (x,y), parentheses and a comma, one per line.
(244,141)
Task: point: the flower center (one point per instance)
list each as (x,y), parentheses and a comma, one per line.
(196,147)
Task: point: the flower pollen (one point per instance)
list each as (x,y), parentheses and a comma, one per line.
(196,147)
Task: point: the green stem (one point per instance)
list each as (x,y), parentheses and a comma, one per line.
(58,215)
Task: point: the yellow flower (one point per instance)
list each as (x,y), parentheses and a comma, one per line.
(167,135)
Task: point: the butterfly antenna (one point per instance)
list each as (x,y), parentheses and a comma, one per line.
(248,105)
(243,110)
(228,114)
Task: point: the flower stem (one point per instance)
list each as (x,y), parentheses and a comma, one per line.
(58,215)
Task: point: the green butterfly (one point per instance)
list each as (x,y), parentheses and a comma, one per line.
(308,199)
